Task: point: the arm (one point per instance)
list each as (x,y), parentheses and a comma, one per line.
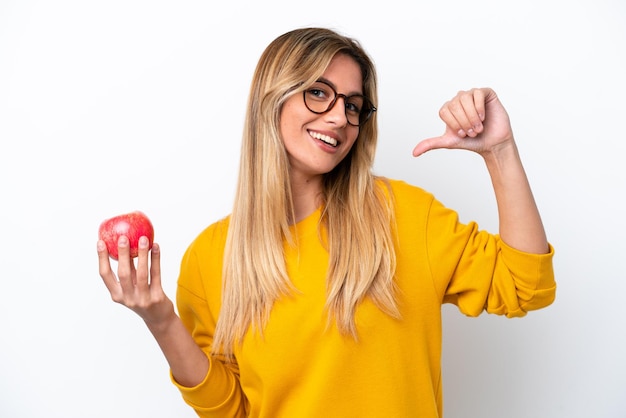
(476,120)
(139,288)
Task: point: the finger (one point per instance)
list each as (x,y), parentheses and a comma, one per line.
(106,273)
(484,95)
(449,113)
(459,107)
(142,265)
(471,102)
(446,140)
(155,266)
(125,265)
(424,146)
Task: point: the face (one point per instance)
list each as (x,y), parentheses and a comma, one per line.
(317,143)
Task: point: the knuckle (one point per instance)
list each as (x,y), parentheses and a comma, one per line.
(445,110)
(117,298)
(455,106)
(142,305)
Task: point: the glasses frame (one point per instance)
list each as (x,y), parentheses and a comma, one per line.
(363,117)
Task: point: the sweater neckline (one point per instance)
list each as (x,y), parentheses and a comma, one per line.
(309,223)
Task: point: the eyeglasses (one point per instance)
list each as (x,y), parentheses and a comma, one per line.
(321,97)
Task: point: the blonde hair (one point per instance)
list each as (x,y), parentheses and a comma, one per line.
(357,214)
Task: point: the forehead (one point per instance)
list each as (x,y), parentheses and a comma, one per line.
(344,73)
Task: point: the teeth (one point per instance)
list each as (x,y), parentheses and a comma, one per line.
(324,138)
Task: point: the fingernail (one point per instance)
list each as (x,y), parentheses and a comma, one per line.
(143,242)
(101,245)
(461,133)
(122,241)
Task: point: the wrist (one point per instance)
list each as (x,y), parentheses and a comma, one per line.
(502,155)
(164,322)
(505,148)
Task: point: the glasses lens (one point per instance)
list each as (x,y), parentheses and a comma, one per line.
(320,98)
(354,109)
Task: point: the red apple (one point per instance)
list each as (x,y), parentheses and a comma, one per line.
(133,225)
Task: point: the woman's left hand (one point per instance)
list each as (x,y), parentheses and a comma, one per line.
(475,120)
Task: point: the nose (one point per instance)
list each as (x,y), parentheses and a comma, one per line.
(337,112)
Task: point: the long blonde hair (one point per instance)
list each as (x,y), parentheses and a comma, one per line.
(357,215)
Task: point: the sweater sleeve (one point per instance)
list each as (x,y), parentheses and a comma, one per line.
(469,267)
(477,271)
(198,302)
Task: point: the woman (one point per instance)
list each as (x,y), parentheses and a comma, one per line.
(321,293)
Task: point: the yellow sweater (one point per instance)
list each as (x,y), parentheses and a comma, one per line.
(301,369)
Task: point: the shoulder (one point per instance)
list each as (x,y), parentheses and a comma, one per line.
(402,193)
(208,245)
(212,235)
(201,264)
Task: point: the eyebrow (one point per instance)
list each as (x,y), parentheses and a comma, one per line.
(330,83)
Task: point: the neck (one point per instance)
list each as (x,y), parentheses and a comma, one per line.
(306,194)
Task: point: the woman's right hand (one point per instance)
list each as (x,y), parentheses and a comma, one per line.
(139,287)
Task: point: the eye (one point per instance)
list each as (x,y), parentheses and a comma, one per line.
(354,104)
(320,92)
(317,93)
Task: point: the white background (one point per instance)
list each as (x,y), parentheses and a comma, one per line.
(108,107)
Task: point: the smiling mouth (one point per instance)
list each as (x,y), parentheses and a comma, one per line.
(324,138)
